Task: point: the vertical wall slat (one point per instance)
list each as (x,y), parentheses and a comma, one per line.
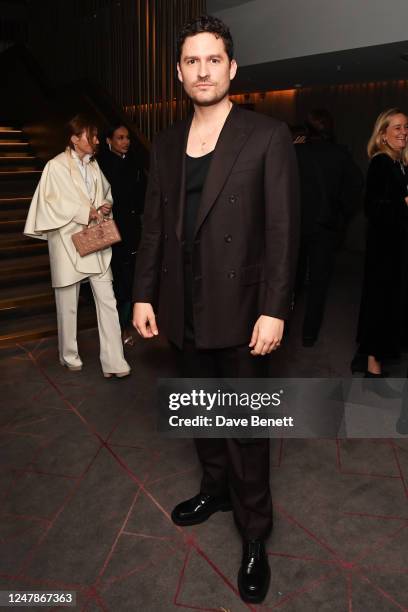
(128,46)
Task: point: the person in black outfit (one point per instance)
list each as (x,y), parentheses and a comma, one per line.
(330,187)
(125,176)
(216,266)
(383,311)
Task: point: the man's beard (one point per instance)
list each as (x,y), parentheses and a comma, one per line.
(211,101)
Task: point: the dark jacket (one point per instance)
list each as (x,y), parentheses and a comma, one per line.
(126,179)
(331,185)
(383,311)
(246,236)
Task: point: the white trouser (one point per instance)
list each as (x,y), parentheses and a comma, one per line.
(110,341)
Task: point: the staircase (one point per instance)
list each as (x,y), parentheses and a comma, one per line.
(27,306)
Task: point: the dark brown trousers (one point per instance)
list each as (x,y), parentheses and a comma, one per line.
(238,468)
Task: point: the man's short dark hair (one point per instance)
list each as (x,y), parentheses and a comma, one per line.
(206,23)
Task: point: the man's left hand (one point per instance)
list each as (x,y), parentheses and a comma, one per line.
(267,335)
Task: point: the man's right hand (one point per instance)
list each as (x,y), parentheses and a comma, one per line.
(144,320)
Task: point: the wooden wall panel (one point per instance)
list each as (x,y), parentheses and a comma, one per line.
(128,46)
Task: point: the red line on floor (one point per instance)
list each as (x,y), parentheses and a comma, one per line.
(172,475)
(116,540)
(349,578)
(378,545)
(306,588)
(322,543)
(382,592)
(388,569)
(46,473)
(304,558)
(219,572)
(377,516)
(146,535)
(72,586)
(397,461)
(25,517)
(92,595)
(338,455)
(16,479)
(280,456)
(30,555)
(370,474)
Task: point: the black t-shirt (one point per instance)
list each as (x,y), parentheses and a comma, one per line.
(196,174)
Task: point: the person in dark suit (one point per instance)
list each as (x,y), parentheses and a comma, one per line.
(125,175)
(382,326)
(330,189)
(216,263)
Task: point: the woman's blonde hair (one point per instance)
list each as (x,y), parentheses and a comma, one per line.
(377,144)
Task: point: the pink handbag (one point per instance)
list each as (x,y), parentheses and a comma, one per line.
(96,237)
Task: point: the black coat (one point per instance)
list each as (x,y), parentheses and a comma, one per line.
(383,312)
(245,243)
(126,179)
(330,185)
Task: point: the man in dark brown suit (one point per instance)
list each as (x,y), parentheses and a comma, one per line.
(216,263)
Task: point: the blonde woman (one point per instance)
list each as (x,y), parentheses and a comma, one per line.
(71,193)
(383,313)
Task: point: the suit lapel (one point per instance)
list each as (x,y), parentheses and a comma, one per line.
(232,138)
(179,166)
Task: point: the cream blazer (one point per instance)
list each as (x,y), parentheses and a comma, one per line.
(60,208)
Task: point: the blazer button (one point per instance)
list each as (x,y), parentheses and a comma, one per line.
(228,238)
(232,199)
(232,274)
(165,270)
(165,200)
(166,236)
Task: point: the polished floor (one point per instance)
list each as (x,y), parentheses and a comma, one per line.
(87,487)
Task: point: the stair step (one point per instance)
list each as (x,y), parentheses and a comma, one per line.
(25,277)
(7,156)
(24,249)
(7,134)
(24,270)
(20,169)
(41,326)
(13,214)
(15,308)
(8,202)
(24,263)
(31,173)
(19,301)
(18,184)
(15,145)
(13,225)
(15,238)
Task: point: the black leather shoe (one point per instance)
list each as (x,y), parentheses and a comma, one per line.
(198,509)
(254,574)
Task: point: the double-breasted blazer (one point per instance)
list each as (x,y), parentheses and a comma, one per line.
(246,234)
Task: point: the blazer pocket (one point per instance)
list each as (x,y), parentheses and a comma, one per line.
(250,275)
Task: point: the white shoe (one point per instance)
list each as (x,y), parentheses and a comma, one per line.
(71,367)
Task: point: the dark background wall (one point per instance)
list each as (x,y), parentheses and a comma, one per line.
(127,46)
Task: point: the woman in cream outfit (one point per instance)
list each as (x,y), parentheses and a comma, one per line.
(71,193)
